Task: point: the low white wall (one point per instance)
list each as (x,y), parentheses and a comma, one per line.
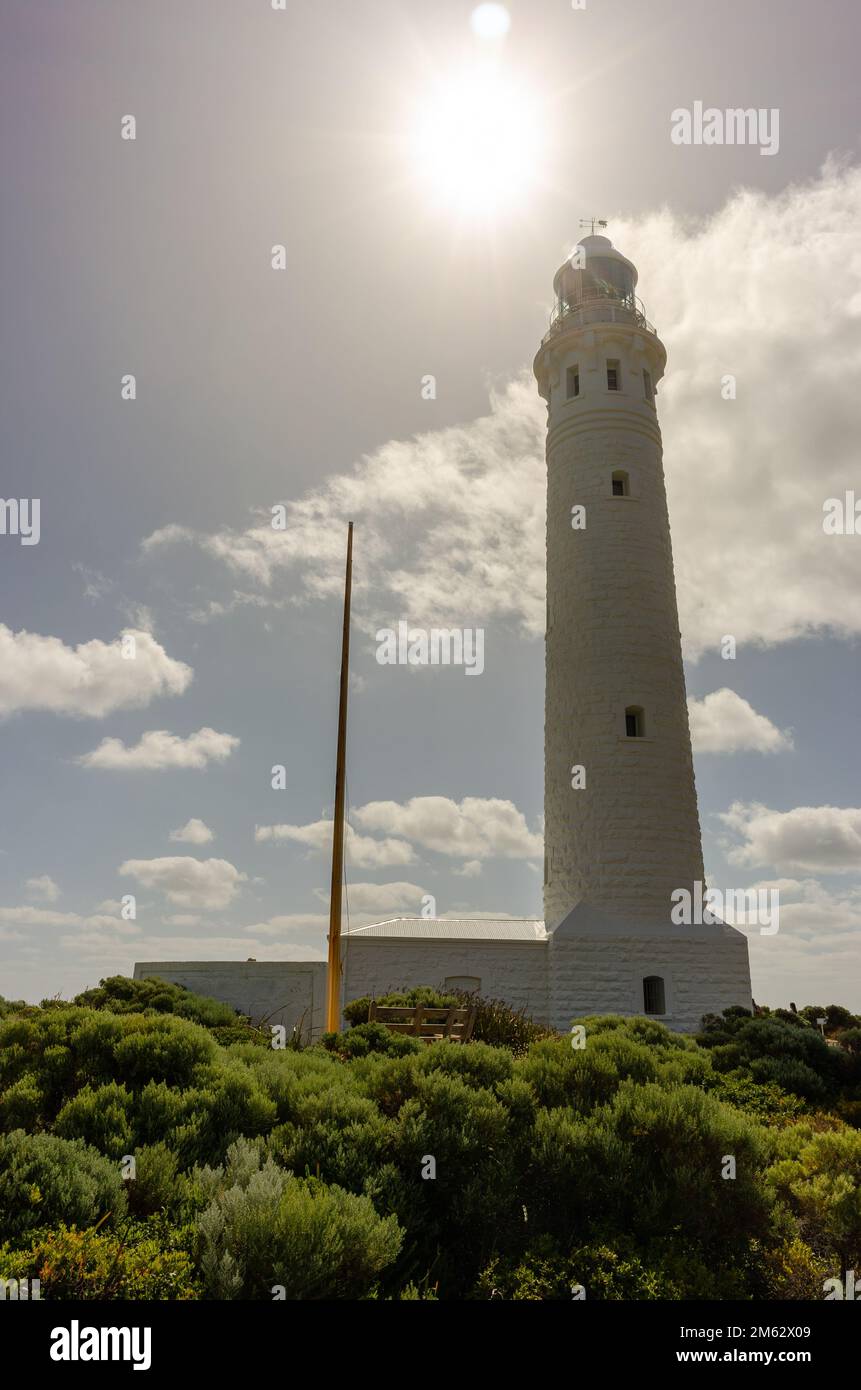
(552,981)
(286,992)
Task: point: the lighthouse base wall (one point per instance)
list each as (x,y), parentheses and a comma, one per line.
(567,975)
(605,975)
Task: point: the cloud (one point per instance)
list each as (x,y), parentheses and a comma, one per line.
(112,956)
(452,521)
(194,832)
(814,956)
(187,882)
(47,917)
(381,899)
(477,827)
(806,840)
(43,887)
(90,680)
(723,722)
(159,749)
(471,869)
(291,922)
(362,851)
(112,906)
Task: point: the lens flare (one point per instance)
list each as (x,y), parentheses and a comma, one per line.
(476,145)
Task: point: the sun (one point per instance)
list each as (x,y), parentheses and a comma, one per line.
(476,145)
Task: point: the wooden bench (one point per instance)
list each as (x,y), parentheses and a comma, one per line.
(431,1025)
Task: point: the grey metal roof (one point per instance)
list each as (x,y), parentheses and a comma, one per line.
(457,928)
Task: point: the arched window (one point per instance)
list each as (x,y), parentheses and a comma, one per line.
(654,1000)
(619,484)
(635,726)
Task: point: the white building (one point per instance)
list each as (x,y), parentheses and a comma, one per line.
(622,830)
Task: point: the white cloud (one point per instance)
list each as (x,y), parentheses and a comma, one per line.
(43,887)
(183,919)
(813,959)
(476,827)
(471,869)
(112,906)
(106,956)
(806,840)
(452,521)
(362,851)
(47,917)
(92,679)
(724,722)
(187,882)
(381,899)
(194,832)
(159,749)
(290,922)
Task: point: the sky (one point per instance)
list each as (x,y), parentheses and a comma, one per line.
(425,179)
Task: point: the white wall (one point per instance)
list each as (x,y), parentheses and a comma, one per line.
(513,971)
(290,991)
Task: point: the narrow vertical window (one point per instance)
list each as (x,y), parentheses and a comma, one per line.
(572,382)
(654,997)
(647,385)
(619,484)
(634,724)
(613,375)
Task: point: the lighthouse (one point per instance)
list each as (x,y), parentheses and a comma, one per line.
(622,831)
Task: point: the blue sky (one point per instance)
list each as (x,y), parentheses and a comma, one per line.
(303,387)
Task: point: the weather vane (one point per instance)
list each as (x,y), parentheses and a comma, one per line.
(593,222)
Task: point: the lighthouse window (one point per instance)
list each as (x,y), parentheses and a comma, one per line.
(634,721)
(613,375)
(654,999)
(572,386)
(647,385)
(619,484)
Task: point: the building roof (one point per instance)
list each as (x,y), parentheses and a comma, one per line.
(456,929)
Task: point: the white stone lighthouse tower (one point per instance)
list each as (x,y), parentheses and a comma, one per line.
(621,825)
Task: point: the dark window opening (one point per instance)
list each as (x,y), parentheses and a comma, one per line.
(572,382)
(619,484)
(654,998)
(613,375)
(647,385)
(634,725)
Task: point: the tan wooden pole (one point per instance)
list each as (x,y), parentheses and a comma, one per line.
(333,978)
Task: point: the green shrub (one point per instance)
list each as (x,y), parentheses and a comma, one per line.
(121,995)
(269,1229)
(45,1179)
(363,1038)
(543,1275)
(101,1117)
(154,1187)
(72,1264)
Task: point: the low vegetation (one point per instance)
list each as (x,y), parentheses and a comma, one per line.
(153,1145)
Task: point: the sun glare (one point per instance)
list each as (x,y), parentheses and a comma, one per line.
(476,143)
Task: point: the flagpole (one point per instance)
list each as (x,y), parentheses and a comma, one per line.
(333,977)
